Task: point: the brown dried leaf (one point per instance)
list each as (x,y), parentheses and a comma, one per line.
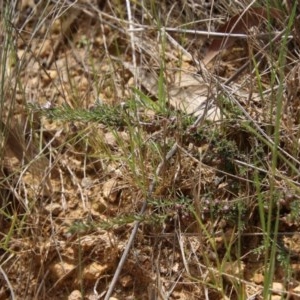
(240,23)
(109,190)
(187,93)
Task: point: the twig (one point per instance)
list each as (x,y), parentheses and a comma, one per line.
(141,27)
(219,34)
(132,39)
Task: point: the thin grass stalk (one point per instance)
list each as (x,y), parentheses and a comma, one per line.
(272,230)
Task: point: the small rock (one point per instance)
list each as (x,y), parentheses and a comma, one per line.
(49,76)
(109,191)
(277,288)
(87,182)
(110,139)
(258,278)
(94,271)
(58,270)
(54,208)
(126,281)
(75,295)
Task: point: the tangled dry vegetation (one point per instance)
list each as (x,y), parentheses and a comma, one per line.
(127,115)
